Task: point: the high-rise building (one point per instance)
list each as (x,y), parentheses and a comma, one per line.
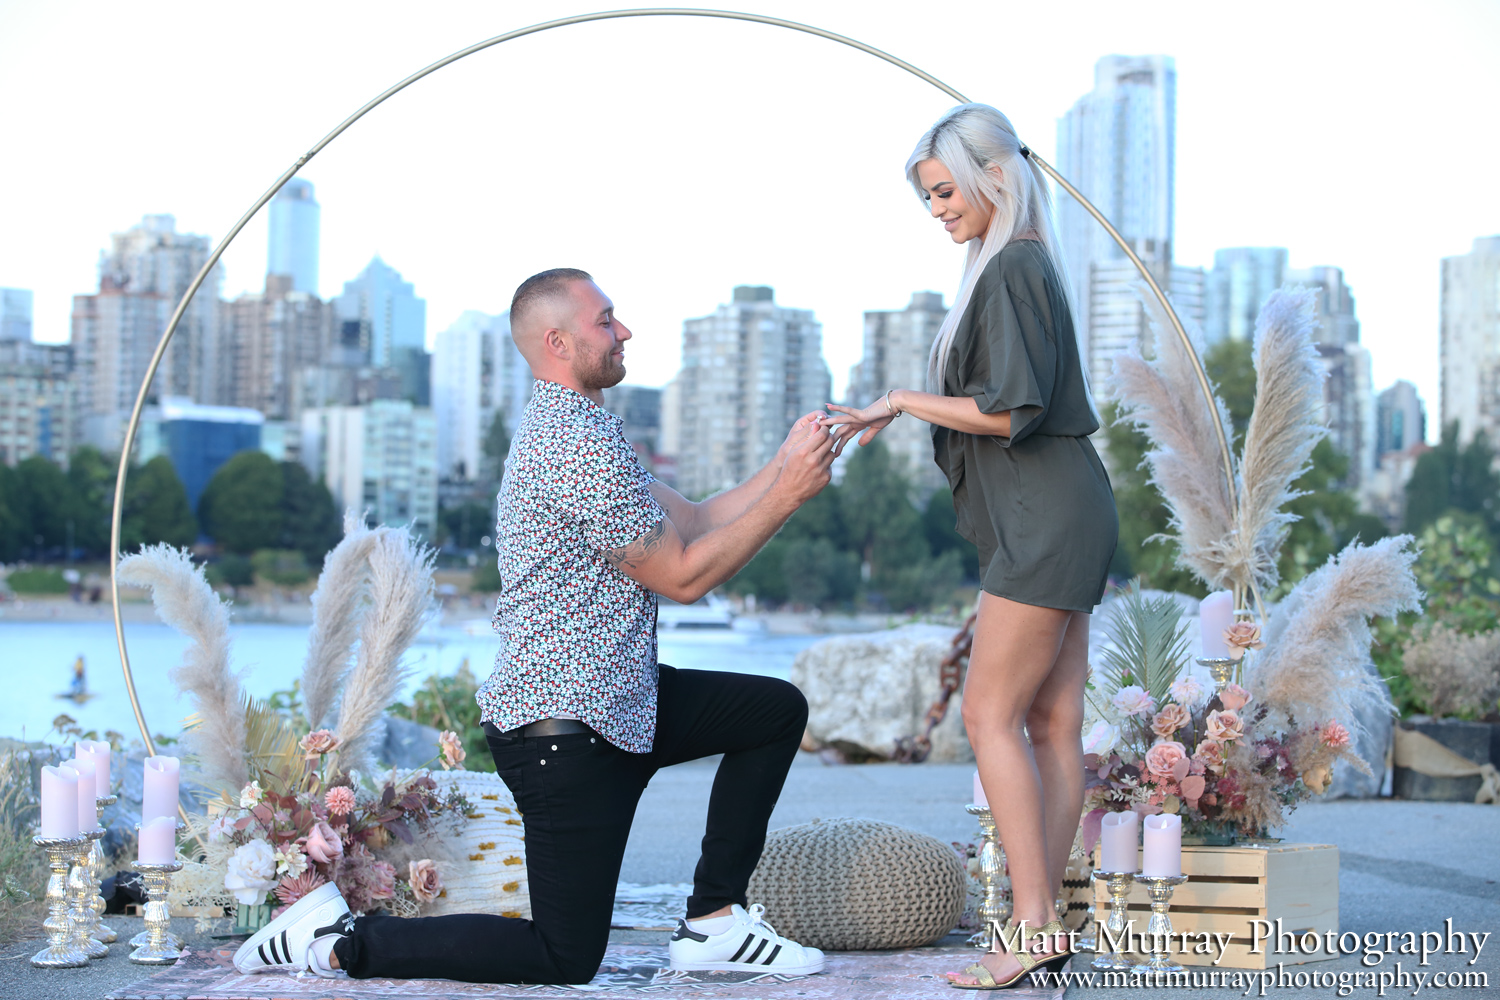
(197,439)
(273,337)
(1117,146)
(38,401)
(1400,417)
(897,344)
(749,370)
(1470,341)
(142,277)
(382,314)
(1241,281)
(639,407)
(15,314)
(476,373)
(380,459)
(1348,392)
(1119,316)
(293,247)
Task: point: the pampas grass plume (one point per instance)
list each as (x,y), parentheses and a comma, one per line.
(339,607)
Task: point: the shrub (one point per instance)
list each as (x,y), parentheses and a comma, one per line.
(283,567)
(231,571)
(486,579)
(448,703)
(1455,674)
(37,581)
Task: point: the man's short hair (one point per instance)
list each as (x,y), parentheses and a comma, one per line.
(540,287)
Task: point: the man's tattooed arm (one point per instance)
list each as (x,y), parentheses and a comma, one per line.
(631,556)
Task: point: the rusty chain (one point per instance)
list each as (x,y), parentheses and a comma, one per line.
(914,749)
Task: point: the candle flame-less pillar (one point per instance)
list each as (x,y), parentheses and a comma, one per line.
(1215,615)
(1163,845)
(160,792)
(1118,833)
(59,803)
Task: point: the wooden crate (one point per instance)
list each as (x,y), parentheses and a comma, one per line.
(1228,887)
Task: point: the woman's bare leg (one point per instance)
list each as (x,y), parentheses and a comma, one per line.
(1054,724)
(1016,649)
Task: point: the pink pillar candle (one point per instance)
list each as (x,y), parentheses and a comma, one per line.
(88,810)
(99,751)
(158,841)
(160,796)
(1117,839)
(59,802)
(1215,614)
(979,798)
(1163,847)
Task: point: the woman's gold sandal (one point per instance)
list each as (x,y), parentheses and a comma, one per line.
(1030,964)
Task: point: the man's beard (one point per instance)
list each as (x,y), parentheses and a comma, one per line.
(600,372)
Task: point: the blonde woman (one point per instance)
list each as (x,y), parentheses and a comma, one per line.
(1011,416)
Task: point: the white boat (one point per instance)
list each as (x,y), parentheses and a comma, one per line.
(708,614)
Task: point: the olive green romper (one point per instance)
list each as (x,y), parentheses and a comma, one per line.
(1037,503)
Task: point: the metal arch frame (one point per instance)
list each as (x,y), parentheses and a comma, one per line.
(166,337)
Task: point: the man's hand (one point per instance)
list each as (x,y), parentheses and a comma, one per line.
(805,471)
(796,435)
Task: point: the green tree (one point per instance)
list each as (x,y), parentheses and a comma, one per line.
(1143,515)
(463,526)
(44,499)
(14,528)
(1329,517)
(496,446)
(1449,478)
(310,521)
(939,525)
(241,505)
(91,481)
(156,508)
(816,572)
(1231,367)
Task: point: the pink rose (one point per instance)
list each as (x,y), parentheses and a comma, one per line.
(452,748)
(1170,719)
(1334,735)
(1211,755)
(426,883)
(1163,758)
(1224,726)
(1133,700)
(318,742)
(1234,697)
(323,845)
(383,880)
(1242,636)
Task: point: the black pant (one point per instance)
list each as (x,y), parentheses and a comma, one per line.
(577,794)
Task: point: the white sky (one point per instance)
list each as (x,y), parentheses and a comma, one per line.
(677,157)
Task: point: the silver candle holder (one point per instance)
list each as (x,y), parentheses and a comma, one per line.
(1220,668)
(80,890)
(993,911)
(1159,928)
(160,947)
(1116,931)
(100,931)
(61,952)
(142,939)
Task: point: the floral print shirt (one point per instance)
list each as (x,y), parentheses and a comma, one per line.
(579,635)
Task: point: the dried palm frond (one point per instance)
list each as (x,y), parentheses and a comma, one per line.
(271,742)
(339,606)
(1164,398)
(1148,642)
(1313,668)
(1283,429)
(401,595)
(185,601)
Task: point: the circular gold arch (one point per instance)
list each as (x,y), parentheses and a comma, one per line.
(140,400)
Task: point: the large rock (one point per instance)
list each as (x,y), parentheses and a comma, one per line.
(1373,746)
(407,744)
(864,692)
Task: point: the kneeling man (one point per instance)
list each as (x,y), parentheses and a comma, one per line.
(578,712)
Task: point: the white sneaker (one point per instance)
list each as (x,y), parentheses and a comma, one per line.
(751,945)
(283,944)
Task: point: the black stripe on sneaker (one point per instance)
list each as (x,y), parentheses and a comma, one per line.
(286,949)
(772,957)
(750,959)
(274,953)
(743,945)
(261,948)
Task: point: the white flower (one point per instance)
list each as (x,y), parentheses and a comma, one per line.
(1132,699)
(250,795)
(1101,739)
(252,872)
(221,828)
(1187,691)
(291,861)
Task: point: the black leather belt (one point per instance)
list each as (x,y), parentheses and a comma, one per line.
(549,727)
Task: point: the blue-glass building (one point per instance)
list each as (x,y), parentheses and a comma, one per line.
(198,439)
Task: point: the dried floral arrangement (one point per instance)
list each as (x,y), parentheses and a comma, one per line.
(1300,693)
(1225,762)
(294,813)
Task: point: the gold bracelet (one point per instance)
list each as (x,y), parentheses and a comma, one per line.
(889,408)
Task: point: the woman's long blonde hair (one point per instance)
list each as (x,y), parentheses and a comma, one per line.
(974,141)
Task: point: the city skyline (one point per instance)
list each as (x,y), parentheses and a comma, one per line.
(458,204)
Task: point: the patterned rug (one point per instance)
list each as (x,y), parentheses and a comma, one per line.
(628,973)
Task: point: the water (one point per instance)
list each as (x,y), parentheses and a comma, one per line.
(36,662)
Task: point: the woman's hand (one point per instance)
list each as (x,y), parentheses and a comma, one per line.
(849,422)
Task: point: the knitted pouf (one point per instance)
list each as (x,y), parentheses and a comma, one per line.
(856,884)
(490,873)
